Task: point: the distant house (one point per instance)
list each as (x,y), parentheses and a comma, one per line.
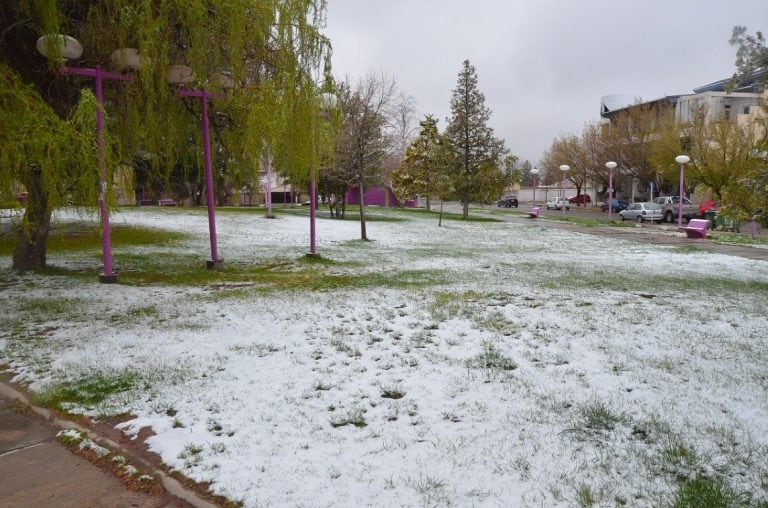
(379,196)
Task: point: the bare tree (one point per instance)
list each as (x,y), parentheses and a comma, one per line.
(404,124)
(367,136)
(566,149)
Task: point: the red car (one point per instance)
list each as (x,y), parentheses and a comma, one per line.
(580,199)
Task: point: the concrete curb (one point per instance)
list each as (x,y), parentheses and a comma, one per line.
(172,486)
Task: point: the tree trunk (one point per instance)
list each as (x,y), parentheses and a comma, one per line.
(33,235)
(465,209)
(361,192)
(428,205)
(440,220)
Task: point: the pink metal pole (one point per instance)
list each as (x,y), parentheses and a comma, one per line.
(312,206)
(534,190)
(680,204)
(210,195)
(562,191)
(106,237)
(610,194)
(268,189)
(215,262)
(98,76)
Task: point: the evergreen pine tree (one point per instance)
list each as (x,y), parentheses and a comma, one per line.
(474,149)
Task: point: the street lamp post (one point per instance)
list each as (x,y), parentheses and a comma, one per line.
(763,156)
(70,49)
(534,172)
(611,166)
(564,168)
(682,160)
(182,75)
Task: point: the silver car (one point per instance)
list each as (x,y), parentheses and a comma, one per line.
(641,212)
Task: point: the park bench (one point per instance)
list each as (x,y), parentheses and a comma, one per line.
(696,228)
(166,202)
(533,213)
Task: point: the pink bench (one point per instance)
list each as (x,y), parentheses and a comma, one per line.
(696,228)
(166,202)
(534,212)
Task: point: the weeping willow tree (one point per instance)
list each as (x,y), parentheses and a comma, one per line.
(274,49)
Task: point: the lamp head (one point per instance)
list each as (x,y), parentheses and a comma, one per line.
(535,171)
(223,79)
(68,47)
(682,159)
(565,167)
(127,59)
(611,165)
(328,101)
(180,75)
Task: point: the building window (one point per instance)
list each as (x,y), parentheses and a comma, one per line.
(746,110)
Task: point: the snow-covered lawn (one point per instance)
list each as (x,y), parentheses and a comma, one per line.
(477,364)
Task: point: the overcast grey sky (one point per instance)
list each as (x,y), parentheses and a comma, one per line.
(542,64)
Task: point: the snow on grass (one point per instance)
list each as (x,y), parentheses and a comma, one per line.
(474,364)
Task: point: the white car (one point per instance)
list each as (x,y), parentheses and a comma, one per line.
(558,203)
(642,212)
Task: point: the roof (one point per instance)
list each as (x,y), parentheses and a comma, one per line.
(668,99)
(753,83)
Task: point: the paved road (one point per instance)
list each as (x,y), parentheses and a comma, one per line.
(660,234)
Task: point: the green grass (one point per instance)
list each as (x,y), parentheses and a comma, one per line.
(87,391)
(492,359)
(710,493)
(435,213)
(378,214)
(575,276)
(454,305)
(736,239)
(678,455)
(352,213)
(46,308)
(588,222)
(584,496)
(82,236)
(301,275)
(354,416)
(596,415)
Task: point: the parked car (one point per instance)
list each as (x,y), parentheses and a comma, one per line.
(581,199)
(558,203)
(508,202)
(670,208)
(642,212)
(617,205)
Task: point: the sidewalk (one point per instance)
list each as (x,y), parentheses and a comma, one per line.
(37,471)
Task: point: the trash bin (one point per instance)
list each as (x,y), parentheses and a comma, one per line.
(725,223)
(711,216)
